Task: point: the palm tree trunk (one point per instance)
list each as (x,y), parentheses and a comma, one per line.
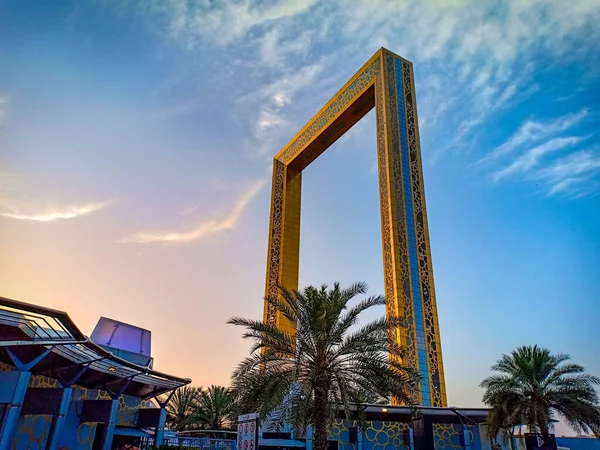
(320,414)
(511,436)
(540,423)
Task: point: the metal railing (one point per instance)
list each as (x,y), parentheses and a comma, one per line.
(191,442)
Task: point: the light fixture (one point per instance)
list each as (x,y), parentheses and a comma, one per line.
(383,409)
(112,369)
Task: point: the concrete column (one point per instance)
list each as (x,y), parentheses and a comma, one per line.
(159,431)
(59,419)
(309,438)
(466,438)
(13,411)
(109,426)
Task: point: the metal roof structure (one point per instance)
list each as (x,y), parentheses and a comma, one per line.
(404,413)
(27,331)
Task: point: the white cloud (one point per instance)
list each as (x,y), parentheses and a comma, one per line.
(473,59)
(275,47)
(50,213)
(280,91)
(219,22)
(268,120)
(573,173)
(565,184)
(531,157)
(204,229)
(17,201)
(190,210)
(280,99)
(532,131)
(577,163)
(266,105)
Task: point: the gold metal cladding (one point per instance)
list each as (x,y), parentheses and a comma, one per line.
(375,85)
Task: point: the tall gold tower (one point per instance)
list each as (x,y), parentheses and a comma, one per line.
(385,82)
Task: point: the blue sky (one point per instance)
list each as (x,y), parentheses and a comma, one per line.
(136,139)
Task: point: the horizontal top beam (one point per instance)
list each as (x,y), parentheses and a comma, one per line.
(320,124)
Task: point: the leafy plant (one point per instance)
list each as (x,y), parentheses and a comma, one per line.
(532,386)
(327,365)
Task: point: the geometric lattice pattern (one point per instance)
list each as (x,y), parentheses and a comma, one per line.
(449,436)
(378,435)
(389,435)
(386,83)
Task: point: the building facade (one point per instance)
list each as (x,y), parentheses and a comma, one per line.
(386,83)
(60,390)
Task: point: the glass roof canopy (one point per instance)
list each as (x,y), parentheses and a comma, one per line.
(27,331)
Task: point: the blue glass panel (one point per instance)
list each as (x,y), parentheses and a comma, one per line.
(412,245)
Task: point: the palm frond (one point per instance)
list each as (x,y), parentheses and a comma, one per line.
(532,385)
(330,362)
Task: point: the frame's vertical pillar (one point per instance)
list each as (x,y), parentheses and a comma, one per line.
(397,284)
(275,251)
(434,343)
(291,238)
(284,237)
(406,253)
(13,410)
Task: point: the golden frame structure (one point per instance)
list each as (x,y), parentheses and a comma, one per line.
(385,82)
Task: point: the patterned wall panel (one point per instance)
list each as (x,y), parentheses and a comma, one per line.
(274,260)
(377,435)
(396,226)
(33,430)
(40,381)
(447,436)
(431,329)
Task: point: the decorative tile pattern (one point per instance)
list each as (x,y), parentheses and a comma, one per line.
(423,247)
(275,239)
(400,271)
(376,435)
(384,199)
(33,430)
(405,180)
(448,436)
(331,112)
(6,367)
(40,381)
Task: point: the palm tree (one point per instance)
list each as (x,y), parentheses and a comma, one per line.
(215,408)
(532,386)
(497,421)
(327,365)
(182,409)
